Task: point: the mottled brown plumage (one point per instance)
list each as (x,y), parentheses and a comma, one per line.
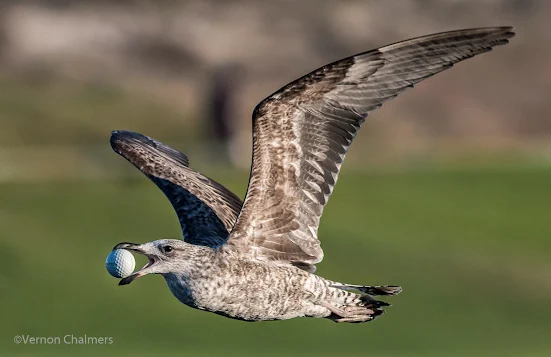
(301,134)
(303,131)
(207,210)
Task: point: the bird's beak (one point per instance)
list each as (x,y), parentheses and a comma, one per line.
(130,246)
(140,249)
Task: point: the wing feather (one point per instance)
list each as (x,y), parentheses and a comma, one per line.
(206,210)
(302,132)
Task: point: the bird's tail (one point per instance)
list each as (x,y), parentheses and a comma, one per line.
(371,289)
(354,303)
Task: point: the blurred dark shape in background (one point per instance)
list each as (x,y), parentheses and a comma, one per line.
(446,190)
(163,54)
(220,109)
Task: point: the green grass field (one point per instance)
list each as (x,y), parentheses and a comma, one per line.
(471,248)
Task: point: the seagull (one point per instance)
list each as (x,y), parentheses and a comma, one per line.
(255,260)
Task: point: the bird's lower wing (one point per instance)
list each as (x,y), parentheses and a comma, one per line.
(206,210)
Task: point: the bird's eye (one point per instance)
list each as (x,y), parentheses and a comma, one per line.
(167,249)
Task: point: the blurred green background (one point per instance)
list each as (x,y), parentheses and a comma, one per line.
(447,190)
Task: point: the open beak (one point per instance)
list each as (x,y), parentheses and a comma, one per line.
(140,249)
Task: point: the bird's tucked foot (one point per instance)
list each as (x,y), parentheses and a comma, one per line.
(355,313)
(348,311)
(357,319)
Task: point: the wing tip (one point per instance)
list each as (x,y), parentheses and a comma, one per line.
(124,138)
(506,33)
(503,33)
(120,136)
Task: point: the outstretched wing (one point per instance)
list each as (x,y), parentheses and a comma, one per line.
(302,132)
(207,210)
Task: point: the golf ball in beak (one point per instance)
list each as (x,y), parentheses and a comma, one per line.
(120,263)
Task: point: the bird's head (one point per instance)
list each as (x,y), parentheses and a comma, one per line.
(165,256)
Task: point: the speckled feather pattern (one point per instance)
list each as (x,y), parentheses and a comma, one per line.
(206,210)
(262,267)
(235,287)
(302,132)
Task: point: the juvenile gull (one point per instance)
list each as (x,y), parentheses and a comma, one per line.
(255,260)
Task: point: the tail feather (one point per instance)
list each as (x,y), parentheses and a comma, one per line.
(355,303)
(370,302)
(372,289)
(380,289)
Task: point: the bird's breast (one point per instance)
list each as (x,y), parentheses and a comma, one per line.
(181,289)
(249,291)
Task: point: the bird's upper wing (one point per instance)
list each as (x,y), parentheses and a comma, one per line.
(302,132)
(207,210)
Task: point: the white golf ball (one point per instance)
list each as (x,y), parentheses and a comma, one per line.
(120,263)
